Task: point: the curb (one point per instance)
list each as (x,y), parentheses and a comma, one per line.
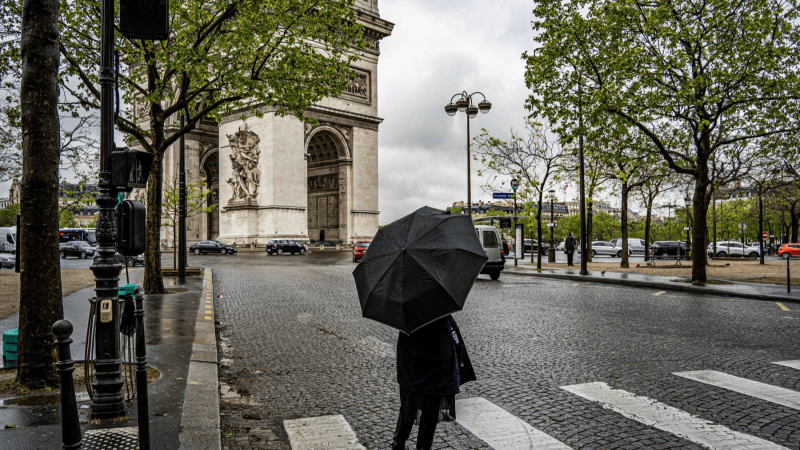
(200,426)
(662,285)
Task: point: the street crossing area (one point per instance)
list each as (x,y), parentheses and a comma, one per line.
(502,430)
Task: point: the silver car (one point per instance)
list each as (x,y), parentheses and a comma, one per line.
(732,248)
(603,248)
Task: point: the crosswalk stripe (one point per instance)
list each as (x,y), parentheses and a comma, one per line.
(666,418)
(324,432)
(793,364)
(763,391)
(501,429)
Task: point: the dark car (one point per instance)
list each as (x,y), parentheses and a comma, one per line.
(211,247)
(130,261)
(80,249)
(669,249)
(281,246)
(532,245)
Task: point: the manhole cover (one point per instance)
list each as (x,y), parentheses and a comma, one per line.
(112,439)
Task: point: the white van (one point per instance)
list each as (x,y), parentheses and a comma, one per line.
(8,240)
(490,240)
(635,245)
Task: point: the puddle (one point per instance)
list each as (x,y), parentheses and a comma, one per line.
(40,400)
(230,395)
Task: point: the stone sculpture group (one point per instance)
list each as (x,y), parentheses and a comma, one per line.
(244,162)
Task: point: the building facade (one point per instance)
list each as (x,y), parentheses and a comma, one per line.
(278,177)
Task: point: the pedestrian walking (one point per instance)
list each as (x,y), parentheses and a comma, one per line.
(432,364)
(569,248)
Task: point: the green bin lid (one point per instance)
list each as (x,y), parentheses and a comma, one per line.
(126,289)
(11,336)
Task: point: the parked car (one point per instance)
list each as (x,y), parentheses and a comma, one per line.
(130,261)
(669,249)
(359,250)
(281,246)
(532,244)
(602,248)
(7,262)
(80,249)
(789,250)
(731,248)
(490,240)
(635,245)
(211,247)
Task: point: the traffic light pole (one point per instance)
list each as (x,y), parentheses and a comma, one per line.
(182,212)
(109,401)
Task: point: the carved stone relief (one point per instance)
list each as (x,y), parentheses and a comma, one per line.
(323,182)
(359,86)
(244,163)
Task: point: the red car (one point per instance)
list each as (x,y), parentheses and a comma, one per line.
(788,250)
(359,250)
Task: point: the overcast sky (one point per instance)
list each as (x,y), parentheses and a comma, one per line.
(437,49)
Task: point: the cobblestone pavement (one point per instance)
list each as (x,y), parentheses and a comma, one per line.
(293,344)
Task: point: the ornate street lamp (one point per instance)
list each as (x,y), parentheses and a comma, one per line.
(518,244)
(551,253)
(464,104)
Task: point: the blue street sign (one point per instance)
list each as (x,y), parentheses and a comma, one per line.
(519,226)
(503,195)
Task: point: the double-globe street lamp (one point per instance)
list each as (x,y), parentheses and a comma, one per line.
(464,104)
(551,252)
(688,202)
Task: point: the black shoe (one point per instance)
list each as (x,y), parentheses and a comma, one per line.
(398,445)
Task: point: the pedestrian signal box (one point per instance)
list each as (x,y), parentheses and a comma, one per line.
(131,229)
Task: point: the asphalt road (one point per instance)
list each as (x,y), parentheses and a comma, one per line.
(293,345)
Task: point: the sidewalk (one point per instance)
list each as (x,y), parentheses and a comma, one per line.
(768,292)
(174,323)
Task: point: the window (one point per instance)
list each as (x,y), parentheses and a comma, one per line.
(9,239)
(489,239)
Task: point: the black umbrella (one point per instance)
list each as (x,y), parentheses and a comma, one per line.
(419,268)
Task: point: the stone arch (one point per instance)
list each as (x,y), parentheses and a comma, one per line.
(210,171)
(333,134)
(326,154)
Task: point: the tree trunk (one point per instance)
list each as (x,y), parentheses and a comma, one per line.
(700,208)
(539,233)
(647,222)
(40,274)
(589,239)
(153,283)
(761,225)
(623,225)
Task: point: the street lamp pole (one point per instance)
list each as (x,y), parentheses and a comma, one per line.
(688,203)
(464,104)
(108,401)
(514,186)
(584,270)
(551,253)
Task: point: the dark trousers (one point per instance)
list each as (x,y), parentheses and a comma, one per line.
(569,258)
(427,426)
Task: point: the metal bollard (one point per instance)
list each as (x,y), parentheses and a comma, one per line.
(70,424)
(788,276)
(141,374)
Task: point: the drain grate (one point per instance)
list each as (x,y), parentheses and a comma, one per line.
(112,439)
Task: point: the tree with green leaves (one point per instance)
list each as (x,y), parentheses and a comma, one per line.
(195,203)
(8,215)
(535,160)
(222,57)
(66,219)
(705,75)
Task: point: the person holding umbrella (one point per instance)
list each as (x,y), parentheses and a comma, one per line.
(418,270)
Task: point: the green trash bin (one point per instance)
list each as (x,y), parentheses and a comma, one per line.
(127,289)
(10,339)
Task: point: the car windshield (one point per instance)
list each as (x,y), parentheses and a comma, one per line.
(219,243)
(363,244)
(82,244)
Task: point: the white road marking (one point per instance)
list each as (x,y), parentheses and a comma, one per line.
(666,418)
(501,429)
(660,292)
(793,364)
(763,391)
(324,432)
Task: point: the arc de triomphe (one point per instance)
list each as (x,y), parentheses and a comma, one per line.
(277,177)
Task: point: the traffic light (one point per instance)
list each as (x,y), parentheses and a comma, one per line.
(131,229)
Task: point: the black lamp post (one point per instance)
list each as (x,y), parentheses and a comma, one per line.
(109,401)
(464,104)
(688,202)
(669,213)
(515,186)
(551,253)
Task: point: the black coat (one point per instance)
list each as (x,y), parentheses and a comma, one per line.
(570,244)
(433,359)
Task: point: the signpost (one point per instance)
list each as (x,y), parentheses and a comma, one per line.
(503,195)
(517,240)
